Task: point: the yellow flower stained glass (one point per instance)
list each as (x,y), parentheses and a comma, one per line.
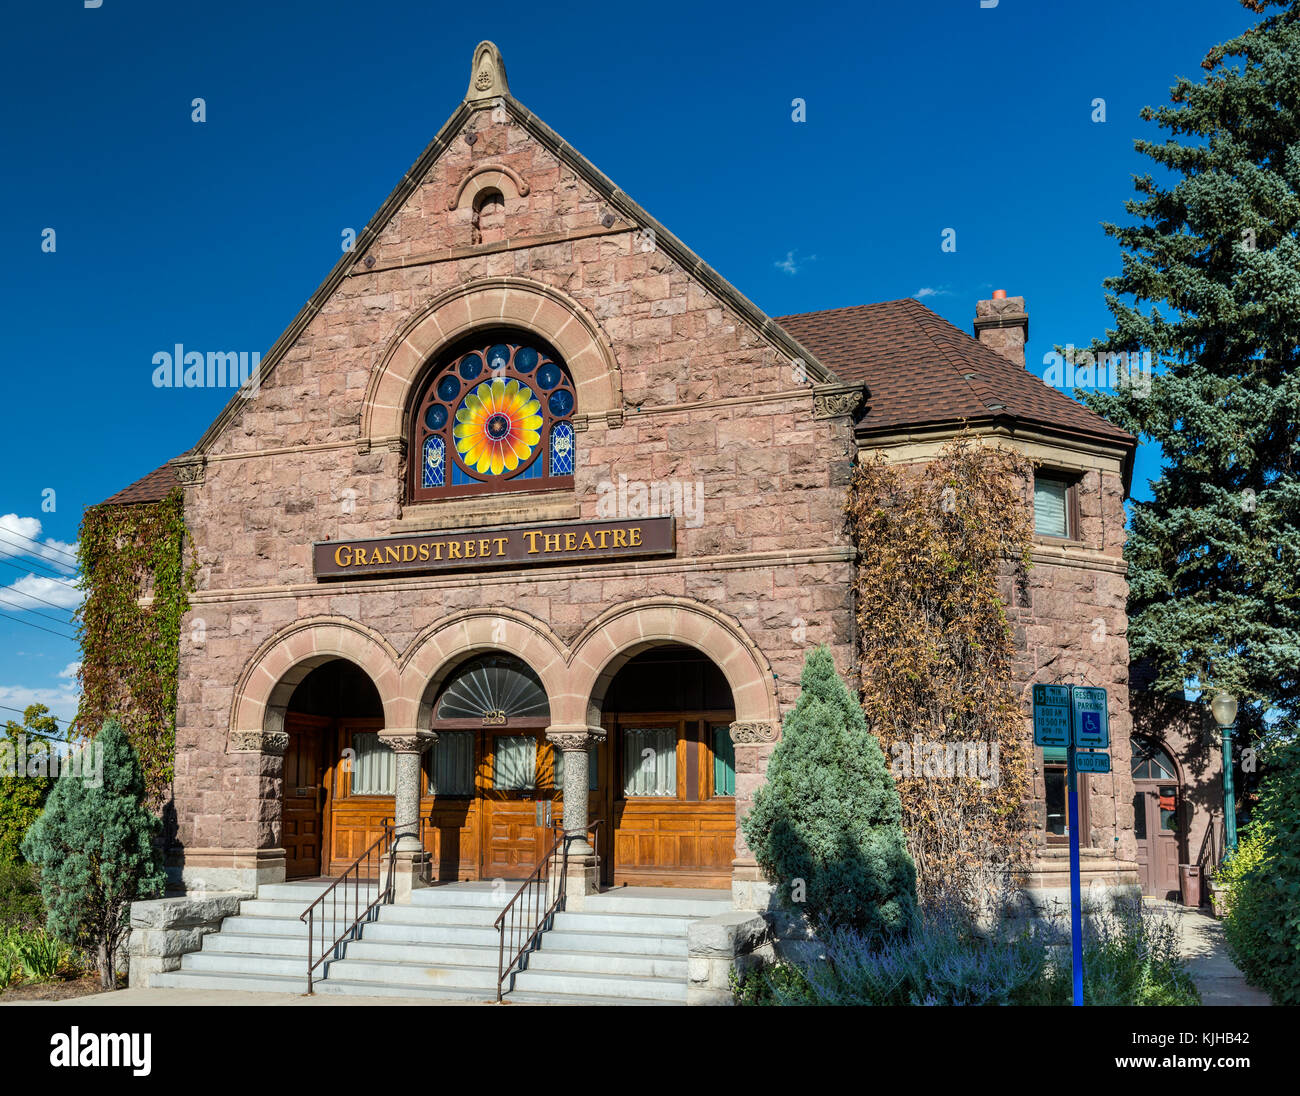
(498,426)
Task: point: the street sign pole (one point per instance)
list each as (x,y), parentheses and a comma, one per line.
(1076,919)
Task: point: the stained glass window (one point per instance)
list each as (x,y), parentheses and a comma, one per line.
(496,416)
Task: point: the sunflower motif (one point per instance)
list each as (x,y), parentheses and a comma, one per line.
(497,426)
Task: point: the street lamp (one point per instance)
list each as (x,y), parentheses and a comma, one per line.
(1224,707)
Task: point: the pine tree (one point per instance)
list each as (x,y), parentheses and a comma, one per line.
(825,828)
(94,848)
(1215,261)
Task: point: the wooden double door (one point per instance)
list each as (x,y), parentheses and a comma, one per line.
(1156,826)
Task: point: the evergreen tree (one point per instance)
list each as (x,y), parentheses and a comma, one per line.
(95,850)
(1213,558)
(825,828)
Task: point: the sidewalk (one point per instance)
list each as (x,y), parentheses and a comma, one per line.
(1201,940)
(243,998)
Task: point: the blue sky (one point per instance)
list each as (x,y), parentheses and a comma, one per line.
(920,118)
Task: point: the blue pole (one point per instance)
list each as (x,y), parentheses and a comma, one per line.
(1076,919)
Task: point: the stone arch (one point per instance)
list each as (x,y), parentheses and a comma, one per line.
(447,643)
(487,177)
(491,302)
(619,634)
(281,663)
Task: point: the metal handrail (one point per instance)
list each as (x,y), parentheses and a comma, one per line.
(374,855)
(530,896)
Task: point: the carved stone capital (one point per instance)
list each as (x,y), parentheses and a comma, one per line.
(748,734)
(189,469)
(614,419)
(569,739)
(273,743)
(398,446)
(833,400)
(408,741)
(363,447)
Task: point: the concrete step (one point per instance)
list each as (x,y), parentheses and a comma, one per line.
(228,943)
(546,958)
(279,907)
(694,908)
(563,983)
(642,924)
(217,962)
(395,972)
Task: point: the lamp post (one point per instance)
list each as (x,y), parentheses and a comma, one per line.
(1224,707)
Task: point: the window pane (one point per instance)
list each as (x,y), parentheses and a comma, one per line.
(650,761)
(1056,816)
(450,764)
(724,761)
(374,767)
(1050,518)
(514,763)
(1140,816)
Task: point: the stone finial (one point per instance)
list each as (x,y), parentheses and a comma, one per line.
(487,77)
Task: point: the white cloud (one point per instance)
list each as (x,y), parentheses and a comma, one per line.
(69,672)
(20,538)
(791,265)
(928,291)
(62,702)
(39,592)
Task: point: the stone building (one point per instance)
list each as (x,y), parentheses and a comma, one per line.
(527,475)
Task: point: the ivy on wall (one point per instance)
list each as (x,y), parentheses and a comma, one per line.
(942,547)
(137,570)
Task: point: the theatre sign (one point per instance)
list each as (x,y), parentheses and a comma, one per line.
(478,549)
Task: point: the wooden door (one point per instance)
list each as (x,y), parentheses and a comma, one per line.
(304,798)
(516,802)
(1155,823)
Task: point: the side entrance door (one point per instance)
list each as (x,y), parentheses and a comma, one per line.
(304,794)
(1155,824)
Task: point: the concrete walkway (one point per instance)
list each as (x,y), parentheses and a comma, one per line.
(1200,940)
(241,998)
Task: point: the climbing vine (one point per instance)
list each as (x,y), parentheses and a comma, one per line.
(943,547)
(137,570)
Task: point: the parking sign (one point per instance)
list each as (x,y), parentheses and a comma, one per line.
(1091,719)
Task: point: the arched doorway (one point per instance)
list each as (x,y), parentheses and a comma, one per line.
(1157,814)
(665,781)
(335,769)
(490,776)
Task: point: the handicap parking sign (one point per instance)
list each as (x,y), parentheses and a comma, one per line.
(1092,727)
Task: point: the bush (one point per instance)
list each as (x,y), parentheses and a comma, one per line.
(826,826)
(1261,922)
(94,848)
(20,898)
(1130,958)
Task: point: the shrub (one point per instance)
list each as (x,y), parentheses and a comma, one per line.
(20,898)
(825,827)
(95,851)
(1261,922)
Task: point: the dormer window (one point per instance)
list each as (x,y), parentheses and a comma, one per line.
(496,417)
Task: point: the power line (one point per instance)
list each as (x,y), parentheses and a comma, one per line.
(37,597)
(43,547)
(25,609)
(39,734)
(38,627)
(44,564)
(28,571)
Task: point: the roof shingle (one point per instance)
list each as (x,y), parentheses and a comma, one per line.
(922,370)
(154,487)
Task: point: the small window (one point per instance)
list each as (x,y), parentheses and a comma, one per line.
(724,760)
(1053,498)
(514,763)
(650,761)
(374,766)
(1057,807)
(449,765)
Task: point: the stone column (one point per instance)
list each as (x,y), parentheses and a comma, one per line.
(754,742)
(584,868)
(411,868)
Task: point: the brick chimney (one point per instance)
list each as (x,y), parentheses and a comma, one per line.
(1002,324)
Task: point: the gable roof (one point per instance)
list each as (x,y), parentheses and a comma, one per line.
(921,371)
(154,487)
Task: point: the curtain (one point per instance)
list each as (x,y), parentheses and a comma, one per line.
(374,768)
(450,764)
(650,761)
(514,766)
(724,760)
(1049,508)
